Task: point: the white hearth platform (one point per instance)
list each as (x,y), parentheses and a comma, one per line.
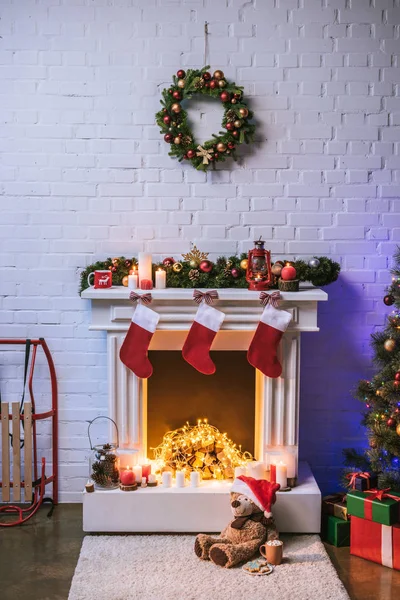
(206,508)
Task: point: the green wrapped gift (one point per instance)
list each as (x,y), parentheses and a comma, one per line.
(335,531)
(380,506)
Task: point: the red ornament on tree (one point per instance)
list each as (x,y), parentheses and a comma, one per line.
(230,126)
(168,138)
(388,300)
(397,376)
(225,97)
(231,145)
(167,119)
(180,74)
(390,422)
(177,95)
(191,154)
(237,96)
(235,133)
(235,273)
(213,84)
(206,266)
(207,76)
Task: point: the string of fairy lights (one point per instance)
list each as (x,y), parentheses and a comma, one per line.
(201,447)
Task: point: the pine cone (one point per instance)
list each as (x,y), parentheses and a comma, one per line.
(193,274)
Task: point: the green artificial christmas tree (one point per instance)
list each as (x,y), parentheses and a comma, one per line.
(381,398)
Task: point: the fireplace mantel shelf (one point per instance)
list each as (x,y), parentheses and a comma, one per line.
(306,293)
(112,309)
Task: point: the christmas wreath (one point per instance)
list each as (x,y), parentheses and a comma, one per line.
(173,119)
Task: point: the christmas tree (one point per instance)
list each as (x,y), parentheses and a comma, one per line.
(381,398)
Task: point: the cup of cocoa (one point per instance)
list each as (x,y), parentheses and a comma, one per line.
(272,551)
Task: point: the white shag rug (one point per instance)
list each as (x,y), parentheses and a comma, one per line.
(165,567)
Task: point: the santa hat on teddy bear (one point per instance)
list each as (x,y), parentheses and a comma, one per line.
(260,491)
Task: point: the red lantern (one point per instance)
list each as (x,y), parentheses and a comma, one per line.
(258,272)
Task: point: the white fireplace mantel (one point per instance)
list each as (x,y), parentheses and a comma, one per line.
(276,400)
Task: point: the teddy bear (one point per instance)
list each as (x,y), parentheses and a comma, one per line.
(252,525)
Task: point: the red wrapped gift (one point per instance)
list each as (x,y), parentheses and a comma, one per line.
(362,481)
(375,542)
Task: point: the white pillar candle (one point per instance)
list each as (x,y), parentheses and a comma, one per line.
(256,469)
(180,479)
(290,461)
(240,471)
(161,279)
(281,474)
(166,478)
(133,281)
(152,478)
(145,266)
(138,473)
(195,479)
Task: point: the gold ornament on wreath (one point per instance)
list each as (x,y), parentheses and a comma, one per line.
(173,119)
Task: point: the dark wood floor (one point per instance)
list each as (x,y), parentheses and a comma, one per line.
(37,561)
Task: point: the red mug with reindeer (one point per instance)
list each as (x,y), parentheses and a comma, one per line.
(102,279)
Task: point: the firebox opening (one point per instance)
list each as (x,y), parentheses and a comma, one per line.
(177,393)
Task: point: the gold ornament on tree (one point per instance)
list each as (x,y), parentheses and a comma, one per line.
(389,345)
(125,281)
(398,429)
(244,264)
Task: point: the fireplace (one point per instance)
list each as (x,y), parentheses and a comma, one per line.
(270,428)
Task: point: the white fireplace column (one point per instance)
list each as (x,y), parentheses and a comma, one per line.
(276,401)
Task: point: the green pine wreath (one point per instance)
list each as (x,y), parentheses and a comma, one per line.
(173,119)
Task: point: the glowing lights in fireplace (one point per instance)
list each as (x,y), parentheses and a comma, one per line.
(202,448)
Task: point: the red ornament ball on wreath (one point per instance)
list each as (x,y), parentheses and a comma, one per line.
(181,74)
(168,262)
(168,137)
(235,273)
(213,84)
(225,97)
(206,266)
(177,95)
(191,154)
(206,76)
(235,133)
(230,126)
(167,119)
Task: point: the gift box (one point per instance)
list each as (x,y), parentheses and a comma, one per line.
(375,542)
(362,481)
(381,506)
(335,505)
(335,531)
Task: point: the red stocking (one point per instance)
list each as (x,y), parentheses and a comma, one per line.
(201,335)
(262,353)
(133,351)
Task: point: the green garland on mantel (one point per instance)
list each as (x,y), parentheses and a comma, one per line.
(225,272)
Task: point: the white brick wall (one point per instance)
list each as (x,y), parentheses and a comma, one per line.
(85,174)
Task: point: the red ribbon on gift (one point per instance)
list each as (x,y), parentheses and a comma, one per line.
(376,495)
(208,297)
(145,298)
(272,299)
(353,477)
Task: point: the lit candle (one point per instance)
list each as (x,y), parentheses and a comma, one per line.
(146,470)
(133,280)
(256,469)
(240,471)
(281,474)
(180,479)
(166,478)
(161,279)
(151,478)
(144,266)
(195,479)
(290,460)
(127,477)
(137,470)
(288,272)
